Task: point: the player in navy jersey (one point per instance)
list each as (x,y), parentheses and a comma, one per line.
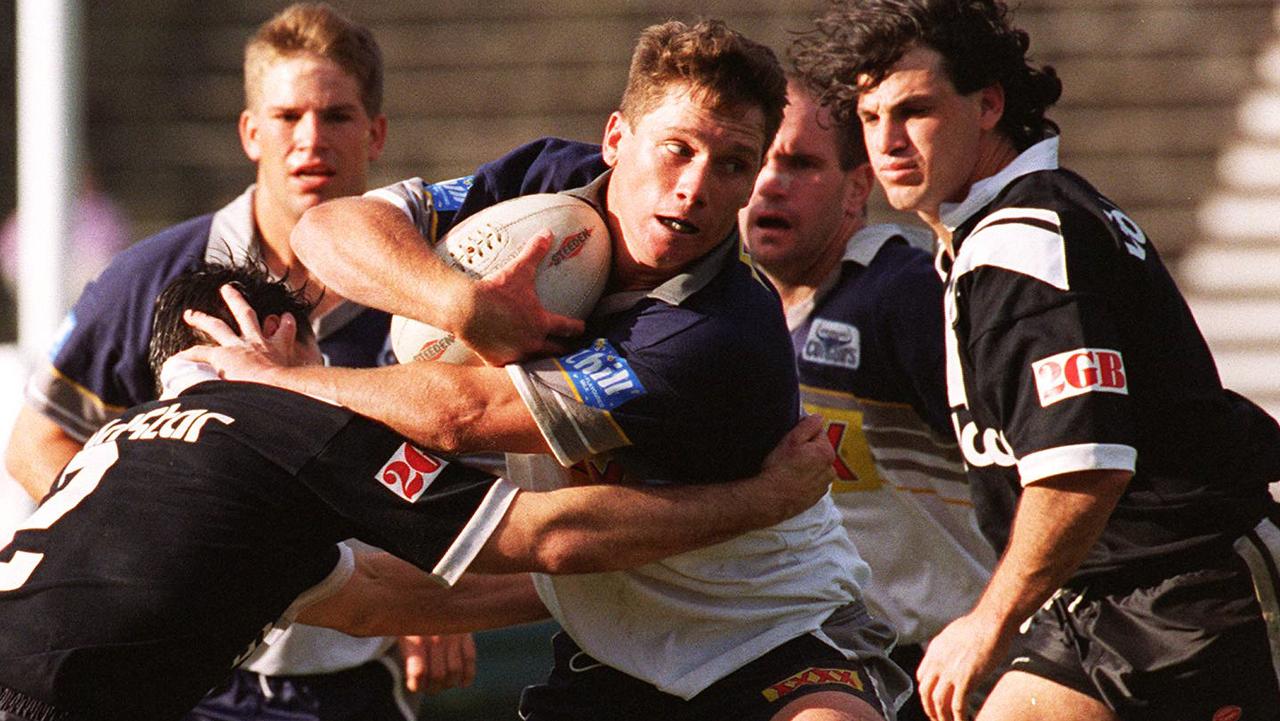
(864,306)
(767,626)
(1126,489)
(186,527)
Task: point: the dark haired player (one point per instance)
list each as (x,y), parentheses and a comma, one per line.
(175,540)
(1125,487)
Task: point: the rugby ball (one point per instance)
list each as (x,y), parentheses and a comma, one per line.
(569,279)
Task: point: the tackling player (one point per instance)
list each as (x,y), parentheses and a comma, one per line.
(1126,489)
(188,526)
(865,311)
(767,626)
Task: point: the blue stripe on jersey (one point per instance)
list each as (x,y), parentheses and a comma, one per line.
(601,376)
(448,195)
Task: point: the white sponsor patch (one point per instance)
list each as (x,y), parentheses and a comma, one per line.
(409,472)
(833,344)
(1079,371)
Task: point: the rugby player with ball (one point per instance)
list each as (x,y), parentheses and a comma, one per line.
(684,375)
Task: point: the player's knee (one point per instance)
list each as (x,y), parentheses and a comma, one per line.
(828,706)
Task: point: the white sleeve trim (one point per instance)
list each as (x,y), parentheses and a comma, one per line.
(398,199)
(328,586)
(542,414)
(492,510)
(1040,465)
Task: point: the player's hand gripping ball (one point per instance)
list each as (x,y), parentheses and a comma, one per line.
(569,279)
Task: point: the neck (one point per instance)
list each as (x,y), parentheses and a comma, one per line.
(995,153)
(796,284)
(274,227)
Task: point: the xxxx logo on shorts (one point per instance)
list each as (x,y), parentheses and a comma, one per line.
(814,677)
(409,472)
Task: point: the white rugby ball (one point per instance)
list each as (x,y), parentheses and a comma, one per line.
(569,279)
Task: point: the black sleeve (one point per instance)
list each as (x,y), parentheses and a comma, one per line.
(430,511)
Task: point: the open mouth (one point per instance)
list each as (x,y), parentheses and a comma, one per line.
(313,172)
(677,225)
(773,222)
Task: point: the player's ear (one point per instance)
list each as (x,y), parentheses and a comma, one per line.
(613,132)
(377,136)
(270,325)
(858,188)
(249,135)
(990,106)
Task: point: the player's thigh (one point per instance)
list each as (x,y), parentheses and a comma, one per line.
(828,706)
(1027,697)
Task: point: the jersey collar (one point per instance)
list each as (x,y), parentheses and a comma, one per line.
(860,249)
(1041,156)
(234,239)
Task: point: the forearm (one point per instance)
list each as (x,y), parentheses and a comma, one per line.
(588,529)
(389,597)
(370,252)
(1057,523)
(38,449)
(447,408)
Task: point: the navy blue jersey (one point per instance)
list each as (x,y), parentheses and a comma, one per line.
(98,366)
(186,527)
(1071,349)
(878,333)
(692,382)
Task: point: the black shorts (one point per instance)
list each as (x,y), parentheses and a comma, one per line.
(582,689)
(1191,646)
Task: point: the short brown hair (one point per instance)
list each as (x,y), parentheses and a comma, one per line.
(316,29)
(721,67)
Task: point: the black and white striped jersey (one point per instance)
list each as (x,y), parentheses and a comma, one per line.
(1071,349)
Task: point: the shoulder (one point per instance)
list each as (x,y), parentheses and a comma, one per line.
(1049,226)
(164,254)
(546,165)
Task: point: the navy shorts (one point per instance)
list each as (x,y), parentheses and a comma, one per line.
(1194,645)
(583,689)
(370,692)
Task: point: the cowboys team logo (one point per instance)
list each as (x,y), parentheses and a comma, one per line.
(409,472)
(833,344)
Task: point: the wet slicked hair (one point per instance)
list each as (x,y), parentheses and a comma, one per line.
(720,67)
(315,29)
(198,289)
(864,39)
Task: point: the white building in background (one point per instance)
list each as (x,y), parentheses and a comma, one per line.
(1232,278)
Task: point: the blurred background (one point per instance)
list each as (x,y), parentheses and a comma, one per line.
(1171,107)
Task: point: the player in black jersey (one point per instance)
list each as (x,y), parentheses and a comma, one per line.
(174,542)
(1126,489)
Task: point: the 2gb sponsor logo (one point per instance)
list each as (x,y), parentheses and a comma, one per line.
(1079,371)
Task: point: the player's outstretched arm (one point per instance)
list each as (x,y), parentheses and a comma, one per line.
(579,529)
(448,408)
(369,251)
(586,529)
(386,596)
